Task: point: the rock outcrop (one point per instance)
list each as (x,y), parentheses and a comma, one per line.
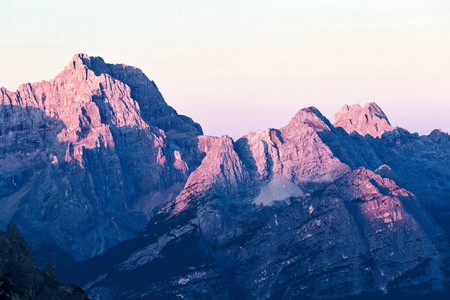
(21,279)
(89,156)
(369,119)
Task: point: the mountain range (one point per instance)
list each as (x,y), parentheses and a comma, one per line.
(98,170)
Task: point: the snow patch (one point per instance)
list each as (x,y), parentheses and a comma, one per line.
(192,276)
(150,252)
(277,189)
(88,285)
(183,281)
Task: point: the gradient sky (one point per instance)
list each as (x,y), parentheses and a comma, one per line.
(240,66)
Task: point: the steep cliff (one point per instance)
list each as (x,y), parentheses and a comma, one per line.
(423,163)
(87,157)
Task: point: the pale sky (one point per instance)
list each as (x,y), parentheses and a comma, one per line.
(240,66)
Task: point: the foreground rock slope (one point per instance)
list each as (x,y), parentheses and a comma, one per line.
(307,211)
(21,279)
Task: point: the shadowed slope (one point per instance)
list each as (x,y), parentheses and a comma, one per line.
(21,279)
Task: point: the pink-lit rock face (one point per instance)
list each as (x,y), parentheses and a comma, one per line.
(90,153)
(369,119)
(222,173)
(296,152)
(90,156)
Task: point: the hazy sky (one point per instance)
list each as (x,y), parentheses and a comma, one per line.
(240,66)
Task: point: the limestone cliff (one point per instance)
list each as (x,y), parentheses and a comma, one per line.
(87,157)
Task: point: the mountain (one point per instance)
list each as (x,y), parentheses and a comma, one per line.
(306,211)
(96,167)
(369,119)
(418,163)
(21,279)
(87,158)
(423,162)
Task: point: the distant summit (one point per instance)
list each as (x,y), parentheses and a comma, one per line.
(369,119)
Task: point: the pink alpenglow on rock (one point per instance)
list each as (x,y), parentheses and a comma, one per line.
(369,119)
(91,154)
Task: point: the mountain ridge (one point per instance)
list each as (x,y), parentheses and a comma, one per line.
(235,247)
(97,167)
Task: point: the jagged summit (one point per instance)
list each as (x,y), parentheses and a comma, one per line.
(96,64)
(312,117)
(153,107)
(369,119)
(93,63)
(91,153)
(79,60)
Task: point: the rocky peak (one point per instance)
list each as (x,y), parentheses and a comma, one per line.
(12,228)
(78,61)
(15,237)
(369,119)
(222,173)
(97,143)
(363,184)
(311,117)
(438,136)
(387,172)
(224,166)
(82,61)
(154,109)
